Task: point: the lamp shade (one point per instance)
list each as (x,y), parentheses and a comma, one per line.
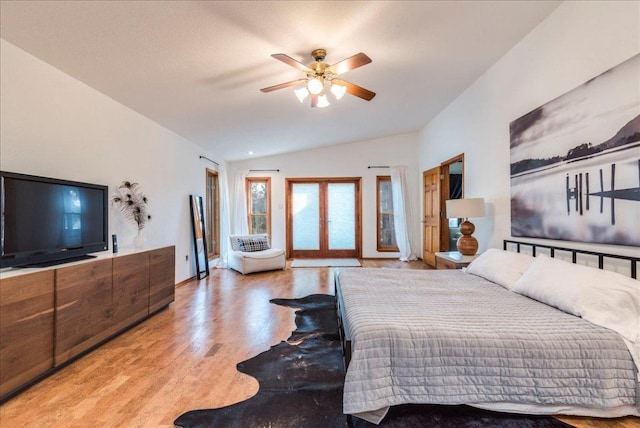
(338,90)
(315,85)
(323,101)
(465,208)
(301,93)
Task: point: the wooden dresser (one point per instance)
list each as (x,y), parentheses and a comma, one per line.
(50,316)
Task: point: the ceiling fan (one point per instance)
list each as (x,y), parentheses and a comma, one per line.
(321,77)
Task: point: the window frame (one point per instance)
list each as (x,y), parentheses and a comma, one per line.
(379,247)
(248,182)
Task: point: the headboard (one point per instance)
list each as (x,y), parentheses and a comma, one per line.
(552,249)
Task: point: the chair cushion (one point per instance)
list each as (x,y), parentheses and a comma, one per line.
(265,254)
(253,243)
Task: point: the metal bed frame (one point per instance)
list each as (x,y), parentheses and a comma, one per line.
(574,254)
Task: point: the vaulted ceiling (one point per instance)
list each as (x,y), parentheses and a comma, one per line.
(196,67)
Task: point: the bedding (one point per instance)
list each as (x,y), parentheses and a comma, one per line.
(548,282)
(502,267)
(449,337)
(588,293)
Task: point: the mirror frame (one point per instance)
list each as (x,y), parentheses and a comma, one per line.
(199,236)
(444,195)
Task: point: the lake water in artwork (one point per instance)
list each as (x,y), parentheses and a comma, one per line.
(596,199)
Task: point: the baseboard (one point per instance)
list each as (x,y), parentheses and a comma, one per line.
(181,283)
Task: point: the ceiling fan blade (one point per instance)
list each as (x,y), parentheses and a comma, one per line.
(282,85)
(314,100)
(292,62)
(358,60)
(356,90)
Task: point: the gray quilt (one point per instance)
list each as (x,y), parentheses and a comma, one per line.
(448,337)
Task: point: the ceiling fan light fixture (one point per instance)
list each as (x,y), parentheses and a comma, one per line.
(315,85)
(338,90)
(319,78)
(301,93)
(323,101)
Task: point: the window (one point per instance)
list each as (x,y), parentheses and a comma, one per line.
(386,234)
(212,220)
(259,204)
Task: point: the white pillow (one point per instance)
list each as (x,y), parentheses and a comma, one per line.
(605,298)
(613,301)
(554,282)
(501,267)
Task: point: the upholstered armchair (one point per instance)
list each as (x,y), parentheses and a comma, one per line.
(253,253)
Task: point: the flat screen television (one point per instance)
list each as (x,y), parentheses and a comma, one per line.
(47,221)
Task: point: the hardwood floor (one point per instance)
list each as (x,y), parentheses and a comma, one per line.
(184,357)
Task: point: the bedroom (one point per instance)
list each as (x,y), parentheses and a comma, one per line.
(77,136)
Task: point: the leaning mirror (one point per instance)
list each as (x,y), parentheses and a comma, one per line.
(199,236)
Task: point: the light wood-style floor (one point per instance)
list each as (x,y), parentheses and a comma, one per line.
(184,358)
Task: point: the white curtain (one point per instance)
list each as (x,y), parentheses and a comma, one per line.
(225,217)
(403,221)
(240,225)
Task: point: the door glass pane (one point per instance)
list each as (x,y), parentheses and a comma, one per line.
(306,216)
(341,216)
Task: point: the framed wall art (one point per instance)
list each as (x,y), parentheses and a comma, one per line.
(575,163)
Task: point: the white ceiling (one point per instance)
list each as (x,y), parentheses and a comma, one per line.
(196,67)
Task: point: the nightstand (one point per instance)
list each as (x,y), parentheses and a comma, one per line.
(453,260)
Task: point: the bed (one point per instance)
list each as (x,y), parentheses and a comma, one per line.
(500,336)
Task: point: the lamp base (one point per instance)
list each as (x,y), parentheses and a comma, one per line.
(467,244)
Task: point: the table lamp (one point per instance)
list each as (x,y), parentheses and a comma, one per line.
(465,209)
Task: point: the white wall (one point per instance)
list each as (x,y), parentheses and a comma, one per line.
(56,126)
(577,42)
(345,160)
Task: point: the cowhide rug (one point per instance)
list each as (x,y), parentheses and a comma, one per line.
(301,381)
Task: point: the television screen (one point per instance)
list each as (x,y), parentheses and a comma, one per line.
(45,220)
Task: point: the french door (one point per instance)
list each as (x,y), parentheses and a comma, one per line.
(324,218)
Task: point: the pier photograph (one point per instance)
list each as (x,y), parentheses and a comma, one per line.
(575,163)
